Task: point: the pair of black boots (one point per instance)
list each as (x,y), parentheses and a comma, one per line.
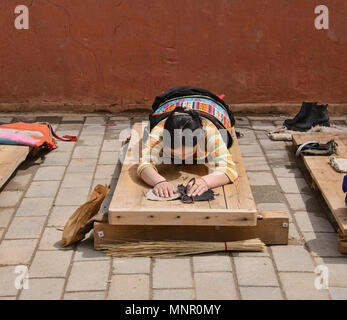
(310,115)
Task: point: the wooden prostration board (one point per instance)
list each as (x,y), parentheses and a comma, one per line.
(10,158)
(234,205)
(328,181)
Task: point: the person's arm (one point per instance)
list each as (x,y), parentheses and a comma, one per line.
(204,183)
(162,188)
(224,171)
(147,170)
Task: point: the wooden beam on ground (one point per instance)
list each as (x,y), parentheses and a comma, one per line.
(11,156)
(342,242)
(272,228)
(325,178)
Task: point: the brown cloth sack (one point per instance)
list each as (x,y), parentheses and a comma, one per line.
(79,223)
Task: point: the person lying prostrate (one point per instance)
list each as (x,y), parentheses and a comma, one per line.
(186,136)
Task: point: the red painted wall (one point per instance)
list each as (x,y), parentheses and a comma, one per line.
(122,52)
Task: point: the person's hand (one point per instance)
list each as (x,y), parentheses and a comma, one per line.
(164,189)
(198,188)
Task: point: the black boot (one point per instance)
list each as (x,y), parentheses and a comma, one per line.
(318,116)
(305,109)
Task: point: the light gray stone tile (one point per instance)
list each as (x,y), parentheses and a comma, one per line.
(129,287)
(81,165)
(50,264)
(17,251)
(255,271)
(34,207)
(131,265)
(256,164)
(212,263)
(43,289)
(7,281)
(10,198)
(215,286)
(42,189)
(88,275)
(337,270)
(292,258)
(104,171)
(5,216)
(294,185)
(172,273)
(173,294)
(77,179)
(82,295)
(300,286)
(338,293)
(259,178)
(49,173)
(313,222)
(55,158)
(261,293)
(322,244)
(76,198)
(60,215)
(86,152)
(25,227)
(108,158)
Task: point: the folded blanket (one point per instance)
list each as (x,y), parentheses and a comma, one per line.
(283,134)
(339,164)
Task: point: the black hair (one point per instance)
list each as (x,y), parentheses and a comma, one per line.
(176,125)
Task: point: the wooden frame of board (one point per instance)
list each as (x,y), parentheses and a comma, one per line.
(231,216)
(323,178)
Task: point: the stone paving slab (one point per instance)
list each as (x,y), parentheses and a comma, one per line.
(15,252)
(43,289)
(300,286)
(215,286)
(212,263)
(88,275)
(40,197)
(5,216)
(172,273)
(261,293)
(129,287)
(173,294)
(255,271)
(34,207)
(292,259)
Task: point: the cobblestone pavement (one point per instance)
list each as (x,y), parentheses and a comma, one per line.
(42,194)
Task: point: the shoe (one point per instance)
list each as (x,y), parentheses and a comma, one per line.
(305,109)
(317,116)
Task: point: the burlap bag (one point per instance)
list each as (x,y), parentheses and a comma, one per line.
(79,224)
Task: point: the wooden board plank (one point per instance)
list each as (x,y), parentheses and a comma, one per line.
(239,195)
(272,229)
(327,180)
(128,205)
(188,217)
(10,158)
